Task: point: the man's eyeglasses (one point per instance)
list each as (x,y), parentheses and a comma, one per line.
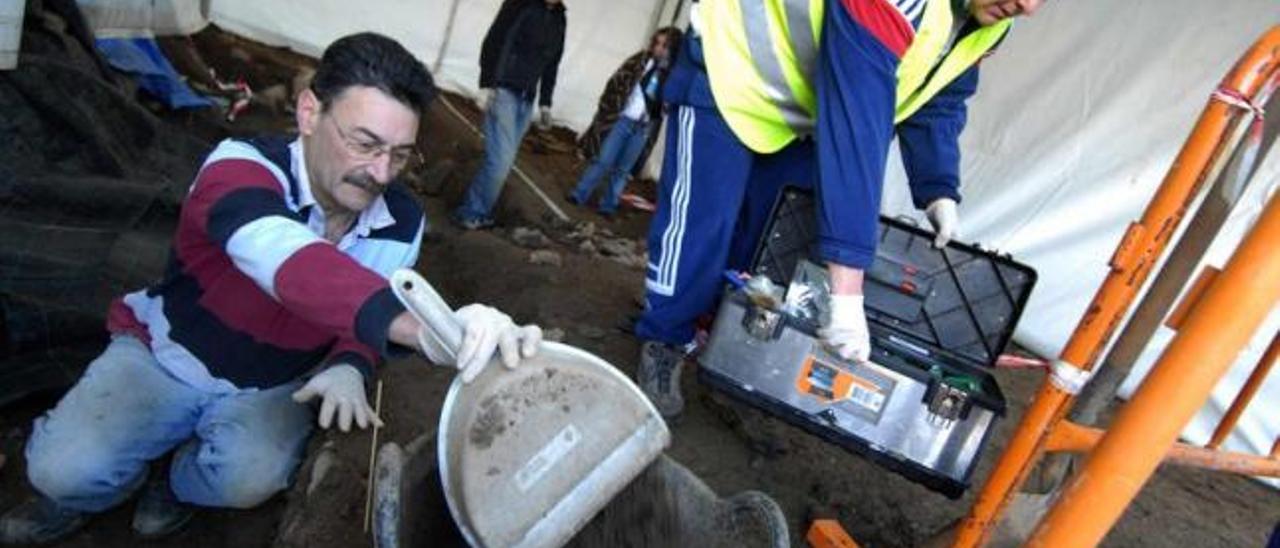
(367,149)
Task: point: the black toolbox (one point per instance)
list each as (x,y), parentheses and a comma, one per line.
(925,404)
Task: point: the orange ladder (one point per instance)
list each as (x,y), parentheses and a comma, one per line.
(1216,320)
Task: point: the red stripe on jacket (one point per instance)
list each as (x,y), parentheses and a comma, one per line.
(883,21)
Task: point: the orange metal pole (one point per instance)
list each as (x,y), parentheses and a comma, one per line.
(1246,394)
(1227,316)
(1136,254)
(1074,438)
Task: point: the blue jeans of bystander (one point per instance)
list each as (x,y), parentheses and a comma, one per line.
(505,123)
(618,154)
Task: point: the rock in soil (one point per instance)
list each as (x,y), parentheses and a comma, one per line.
(545,256)
(667,505)
(617,247)
(591,332)
(583,231)
(531,238)
(554,334)
(324,461)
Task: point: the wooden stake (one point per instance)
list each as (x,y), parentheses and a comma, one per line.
(373,448)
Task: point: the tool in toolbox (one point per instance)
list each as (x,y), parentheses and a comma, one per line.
(528,456)
(924,404)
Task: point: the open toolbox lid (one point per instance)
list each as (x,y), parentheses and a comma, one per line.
(961,301)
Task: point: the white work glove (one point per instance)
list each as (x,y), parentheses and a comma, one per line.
(847,334)
(484,330)
(544,117)
(342,389)
(487,96)
(946,222)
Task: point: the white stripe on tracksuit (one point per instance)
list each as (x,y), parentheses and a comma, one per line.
(668,267)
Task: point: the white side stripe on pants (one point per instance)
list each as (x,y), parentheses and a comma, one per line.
(673,237)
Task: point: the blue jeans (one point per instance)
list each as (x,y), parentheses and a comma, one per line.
(504,125)
(618,154)
(92,450)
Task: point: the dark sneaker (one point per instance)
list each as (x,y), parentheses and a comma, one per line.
(473,223)
(38,521)
(159,513)
(659,377)
(571,198)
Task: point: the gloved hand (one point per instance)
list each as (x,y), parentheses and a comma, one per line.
(946,222)
(342,389)
(544,117)
(486,98)
(847,334)
(484,330)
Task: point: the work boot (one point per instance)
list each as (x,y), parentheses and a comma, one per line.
(39,520)
(659,377)
(159,512)
(753,518)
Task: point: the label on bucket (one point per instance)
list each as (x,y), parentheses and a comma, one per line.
(547,457)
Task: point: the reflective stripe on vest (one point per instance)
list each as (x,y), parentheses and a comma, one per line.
(762,70)
(964,54)
(926,48)
(785,92)
(765,79)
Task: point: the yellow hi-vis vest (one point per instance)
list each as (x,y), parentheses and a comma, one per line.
(761,57)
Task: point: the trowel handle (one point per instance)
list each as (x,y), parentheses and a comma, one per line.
(429,308)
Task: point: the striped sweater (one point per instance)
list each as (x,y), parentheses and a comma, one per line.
(253,295)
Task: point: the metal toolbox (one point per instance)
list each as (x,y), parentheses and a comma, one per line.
(924,405)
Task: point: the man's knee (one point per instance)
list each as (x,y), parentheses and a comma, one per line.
(250,482)
(232,475)
(78,474)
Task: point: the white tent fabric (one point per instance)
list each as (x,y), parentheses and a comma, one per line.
(1077,120)
(10,33)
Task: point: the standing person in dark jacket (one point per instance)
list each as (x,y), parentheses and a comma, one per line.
(626,121)
(518,60)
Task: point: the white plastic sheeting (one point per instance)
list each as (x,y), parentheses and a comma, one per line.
(1076,121)
(144,18)
(10,33)
(446,34)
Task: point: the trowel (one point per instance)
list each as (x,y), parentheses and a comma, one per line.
(528,456)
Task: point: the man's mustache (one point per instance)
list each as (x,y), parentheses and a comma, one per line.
(365,182)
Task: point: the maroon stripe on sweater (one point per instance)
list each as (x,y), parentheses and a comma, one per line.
(319,269)
(222,177)
(235,300)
